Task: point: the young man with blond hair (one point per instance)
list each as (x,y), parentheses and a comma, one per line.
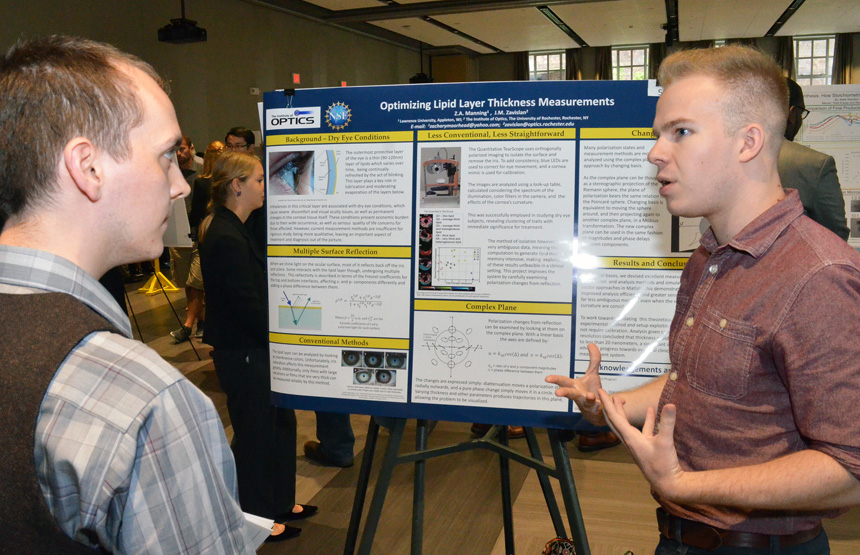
(749,440)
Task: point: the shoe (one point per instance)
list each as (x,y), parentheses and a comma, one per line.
(181,335)
(307,511)
(480,429)
(514,432)
(566,435)
(595,441)
(313,451)
(199,334)
(288,533)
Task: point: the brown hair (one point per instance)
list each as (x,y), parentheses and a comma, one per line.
(228,166)
(52,90)
(212,152)
(755,87)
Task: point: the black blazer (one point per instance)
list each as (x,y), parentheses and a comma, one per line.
(234,278)
(201,192)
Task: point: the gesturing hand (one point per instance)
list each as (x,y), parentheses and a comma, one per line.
(654,452)
(583,391)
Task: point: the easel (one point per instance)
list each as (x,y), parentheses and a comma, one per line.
(152,287)
(158,282)
(391,458)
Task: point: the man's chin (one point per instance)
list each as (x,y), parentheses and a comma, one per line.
(154,252)
(676,209)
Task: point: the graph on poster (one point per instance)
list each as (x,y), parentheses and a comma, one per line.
(458,265)
(833,127)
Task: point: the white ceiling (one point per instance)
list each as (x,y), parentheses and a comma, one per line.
(597,22)
(616,23)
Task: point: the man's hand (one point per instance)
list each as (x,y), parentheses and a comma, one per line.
(583,391)
(654,452)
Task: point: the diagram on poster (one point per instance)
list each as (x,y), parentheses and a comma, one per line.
(299,311)
(450,346)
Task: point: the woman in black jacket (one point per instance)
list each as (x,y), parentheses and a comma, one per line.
(234,274)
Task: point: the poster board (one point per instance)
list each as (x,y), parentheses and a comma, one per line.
(833,127)
(435,251)
(178,232)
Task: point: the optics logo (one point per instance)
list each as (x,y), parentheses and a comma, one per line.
(293,118)
(338,116)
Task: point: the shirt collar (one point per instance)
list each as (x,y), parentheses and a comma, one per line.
(758,236)
(31,268)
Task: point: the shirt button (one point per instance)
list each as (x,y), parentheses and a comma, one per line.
(713,269)
(723,323)
(690,322)
(673,376)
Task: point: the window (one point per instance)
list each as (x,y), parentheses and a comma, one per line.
(630,63)
(547,66)
(813,59)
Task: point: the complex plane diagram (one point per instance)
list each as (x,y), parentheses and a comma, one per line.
(450,346)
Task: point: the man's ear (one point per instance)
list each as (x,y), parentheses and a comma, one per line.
(83,165)
(753,141)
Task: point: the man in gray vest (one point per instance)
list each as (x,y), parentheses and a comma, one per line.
(812,173)
(105,445)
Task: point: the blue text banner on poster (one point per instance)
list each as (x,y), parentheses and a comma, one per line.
(435,251)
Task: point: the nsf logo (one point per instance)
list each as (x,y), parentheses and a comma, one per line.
(338,116)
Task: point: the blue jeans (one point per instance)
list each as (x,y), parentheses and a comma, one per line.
(819,545)
(334,432)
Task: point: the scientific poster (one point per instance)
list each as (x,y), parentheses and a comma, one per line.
(833,127)
(435,251)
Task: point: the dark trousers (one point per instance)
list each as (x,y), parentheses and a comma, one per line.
(334,432)
(819,545)
(264,436)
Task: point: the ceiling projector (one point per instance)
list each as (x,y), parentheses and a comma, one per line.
(181,31)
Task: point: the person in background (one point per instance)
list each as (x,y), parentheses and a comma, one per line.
(240,139)
(812,173)
(234,272)
(194,291)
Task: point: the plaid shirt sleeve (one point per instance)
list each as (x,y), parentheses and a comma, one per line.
(131,455)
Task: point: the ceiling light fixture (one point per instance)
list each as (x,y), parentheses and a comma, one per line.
(182,31)
(551,15)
